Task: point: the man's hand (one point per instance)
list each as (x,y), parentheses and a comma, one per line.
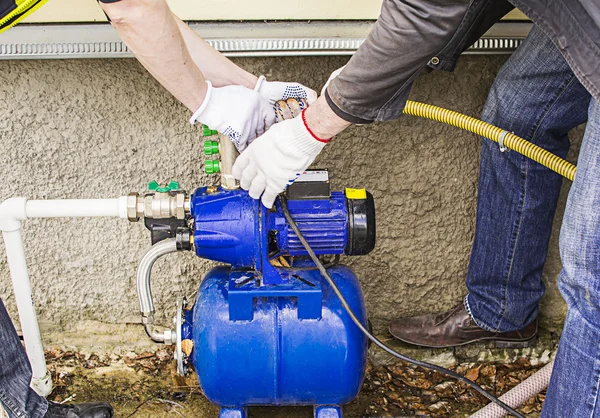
(236,112)
(274,160)
(274,91)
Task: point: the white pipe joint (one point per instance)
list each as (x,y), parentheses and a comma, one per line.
(42,385)
(12,213)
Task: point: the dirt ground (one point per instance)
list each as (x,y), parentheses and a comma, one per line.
(146,385)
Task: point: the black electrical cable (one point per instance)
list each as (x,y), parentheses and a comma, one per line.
(370,336)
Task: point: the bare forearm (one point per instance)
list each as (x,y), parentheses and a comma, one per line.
(214,65)
(323,121)
(151,32)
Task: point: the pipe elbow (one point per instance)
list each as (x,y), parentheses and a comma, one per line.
(168,337)
(154,335)
(12,213)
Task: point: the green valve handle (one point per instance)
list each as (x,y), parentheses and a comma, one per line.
(211,147)
(206,131)
(212,167)
(153,186)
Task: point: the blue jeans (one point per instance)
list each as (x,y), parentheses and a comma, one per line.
(574,387)
(17,398)
(537,96)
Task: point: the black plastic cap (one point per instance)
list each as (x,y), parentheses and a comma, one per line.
(361,226)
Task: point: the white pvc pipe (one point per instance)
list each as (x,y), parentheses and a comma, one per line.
(12,213)
(518,395)
(77,208)
(29,324)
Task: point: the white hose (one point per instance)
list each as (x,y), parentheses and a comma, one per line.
(518,395)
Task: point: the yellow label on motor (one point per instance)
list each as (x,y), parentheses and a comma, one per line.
(356,193)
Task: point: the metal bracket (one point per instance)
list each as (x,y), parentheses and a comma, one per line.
(181,368)
(501,141)
(243,290)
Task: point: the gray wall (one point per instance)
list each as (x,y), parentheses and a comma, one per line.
(103,128)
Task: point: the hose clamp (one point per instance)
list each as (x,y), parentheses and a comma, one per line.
(501,141)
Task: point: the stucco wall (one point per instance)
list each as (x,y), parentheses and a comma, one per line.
(103,128)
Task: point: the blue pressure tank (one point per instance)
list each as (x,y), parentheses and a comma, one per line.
(267,333)
(276,358)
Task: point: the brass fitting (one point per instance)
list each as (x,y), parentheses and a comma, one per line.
(157,206)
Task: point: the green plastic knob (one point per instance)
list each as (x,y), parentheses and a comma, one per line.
(212,167)
(153,186)
(211,147)
(206,131)
(173,185)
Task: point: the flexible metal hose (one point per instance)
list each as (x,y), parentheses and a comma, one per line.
(144,288)
(144,271)
(479,127)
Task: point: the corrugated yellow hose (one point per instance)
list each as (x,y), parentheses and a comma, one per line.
(479,127)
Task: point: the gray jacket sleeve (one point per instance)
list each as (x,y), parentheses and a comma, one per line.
(408,34)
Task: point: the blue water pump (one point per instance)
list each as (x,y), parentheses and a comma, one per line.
(266,329)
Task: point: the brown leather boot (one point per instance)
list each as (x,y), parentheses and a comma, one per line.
(456,327)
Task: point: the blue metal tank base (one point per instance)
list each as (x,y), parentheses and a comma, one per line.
(233,413)
(328,411)
(320,411)
(276,358)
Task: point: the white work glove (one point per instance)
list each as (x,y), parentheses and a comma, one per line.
(274,160)
(274,91)
(235,111)
(331,77)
